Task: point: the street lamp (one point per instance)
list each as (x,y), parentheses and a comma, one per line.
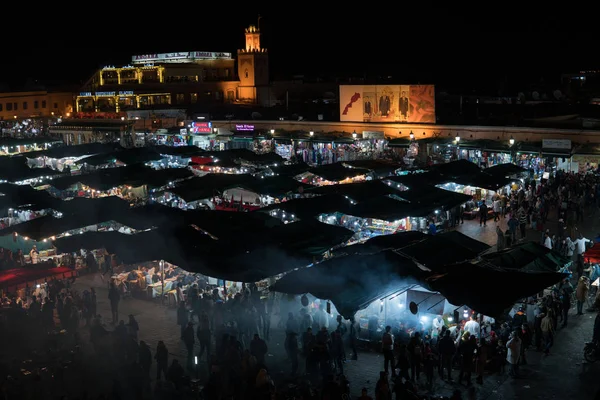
(511,141)
(311,133)
(412,136)
(354,135)
(457,138)
(272,131)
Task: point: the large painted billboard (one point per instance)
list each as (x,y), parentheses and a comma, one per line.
(387,103)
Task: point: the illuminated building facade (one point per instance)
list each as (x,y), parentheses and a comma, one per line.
(20,105)
(180,79)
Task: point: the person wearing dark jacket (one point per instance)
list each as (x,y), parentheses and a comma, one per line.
(114,297)
(188,340)
(145,357)
(258,348)
(162,359)
(446,350)
(182,317)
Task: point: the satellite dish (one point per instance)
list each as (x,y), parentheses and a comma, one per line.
(557,94)
(413,307)
(535,95)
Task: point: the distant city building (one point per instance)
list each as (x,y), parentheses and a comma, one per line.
(180,79)
(32,104)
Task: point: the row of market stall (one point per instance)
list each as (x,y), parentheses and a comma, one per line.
(290,224)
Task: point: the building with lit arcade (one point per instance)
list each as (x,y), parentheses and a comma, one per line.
(180,79)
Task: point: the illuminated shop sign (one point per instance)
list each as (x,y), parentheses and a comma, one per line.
(126,93)
(85,94)
(201,127)
(106,94)
(244,128)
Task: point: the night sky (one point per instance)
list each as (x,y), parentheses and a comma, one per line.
(459,50)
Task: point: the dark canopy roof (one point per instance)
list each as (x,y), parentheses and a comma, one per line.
(236,256)
(380,166)
(388,209)
(356,191)
(312,206)
(237,156)
(462,240)
(10,141)
(79,150)
(482,180)
(136,155)
(77,213)
(438,252)
(433,198)
(182,151)
(15,169)
(337,172)
(415,179)
(209,185)
(353,282)
(290,169)
(16,196)
(456,168)
(505,170)
(383,242)
(276,186)
(132,175)
(489,290)
(528,257)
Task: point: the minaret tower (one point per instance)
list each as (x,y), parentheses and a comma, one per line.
(253,69)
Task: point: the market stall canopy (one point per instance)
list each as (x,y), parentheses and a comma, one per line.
(383,242)
(528,257)
(76,215)
(356,191)
(380,167)
(179,151)
(209,186)
(505,170)
(387,208)
(416,179)
(131,175)
(16,196)
(482,180)
(462,240)
(290,170)
(19,277)
(135,155)
(455,169)
(433,198)
(353,282)
(10,141)
(239,156)
(75,151)
(276,186)
(15,169)
(337,172)
(490,290)
(438,252)
(311,206)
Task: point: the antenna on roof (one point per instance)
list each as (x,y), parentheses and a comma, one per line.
(258,22)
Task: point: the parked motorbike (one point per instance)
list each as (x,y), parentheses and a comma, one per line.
(590,352)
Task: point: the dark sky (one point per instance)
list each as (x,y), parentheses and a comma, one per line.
(443,46)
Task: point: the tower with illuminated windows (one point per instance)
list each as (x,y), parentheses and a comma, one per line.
(253,70)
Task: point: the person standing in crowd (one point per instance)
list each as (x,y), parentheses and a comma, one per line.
(259,349)
(182,317)
(446,349)
(497,207)
(416,350)
(499,239)
(34,255)
(580,247)
(204,335)
(466,350)
(353,338)
(514,350)
(483,214)
(472,326)
(581,293)
(114,297)
(387,347)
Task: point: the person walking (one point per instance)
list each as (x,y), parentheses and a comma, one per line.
(387,347)
(204,335)
(114,297)
(188,340)
(162,359)
(182,317)
(513,354)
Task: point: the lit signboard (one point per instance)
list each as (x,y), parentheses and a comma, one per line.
(244,128)
(85,94)
(106,94)
(126,93)
(201,127)
(180,57)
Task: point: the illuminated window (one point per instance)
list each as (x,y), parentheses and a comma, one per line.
(180,98)
(193,97)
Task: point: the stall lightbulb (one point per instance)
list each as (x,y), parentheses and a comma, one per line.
(424,318)
(400,305)
(272,131)
(412,136)
(381,302)
(354,135)
(196,360)
(457,138)
(511,141)
(450,319)
(311,133)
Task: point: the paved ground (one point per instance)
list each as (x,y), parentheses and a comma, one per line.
(563,375)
